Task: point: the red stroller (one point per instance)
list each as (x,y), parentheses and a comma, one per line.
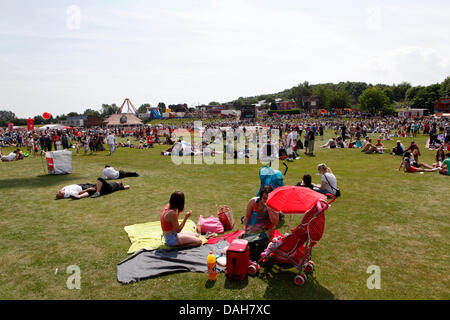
(296,248)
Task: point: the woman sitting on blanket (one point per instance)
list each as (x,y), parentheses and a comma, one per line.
(258,219)
(173,235)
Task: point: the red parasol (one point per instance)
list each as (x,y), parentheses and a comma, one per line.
(293,200)
(68,127)
(323,111)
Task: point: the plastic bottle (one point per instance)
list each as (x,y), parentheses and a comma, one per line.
(211,261)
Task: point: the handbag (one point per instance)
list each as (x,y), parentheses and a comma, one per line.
(338,191)
(225,215)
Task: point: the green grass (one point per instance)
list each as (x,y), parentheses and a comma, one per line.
(385,217)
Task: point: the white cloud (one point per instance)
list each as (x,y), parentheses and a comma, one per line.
(417,65)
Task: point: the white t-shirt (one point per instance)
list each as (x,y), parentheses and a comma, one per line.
(110,173)
(72,189)
(331,181)
(290,140)
(295,135)
(110,139)
(9,157)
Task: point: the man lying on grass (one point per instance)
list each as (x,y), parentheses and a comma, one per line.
(80,191)
(111,173)
(13,156)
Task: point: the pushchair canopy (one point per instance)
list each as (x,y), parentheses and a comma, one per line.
(293,199)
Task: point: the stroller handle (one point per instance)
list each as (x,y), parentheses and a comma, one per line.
(332,196)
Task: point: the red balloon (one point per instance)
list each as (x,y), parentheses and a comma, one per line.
(46,115)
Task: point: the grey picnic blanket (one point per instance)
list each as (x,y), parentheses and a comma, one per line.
(145,264)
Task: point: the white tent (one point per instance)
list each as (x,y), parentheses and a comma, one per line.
(52,127)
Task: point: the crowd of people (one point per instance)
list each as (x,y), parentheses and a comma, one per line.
(215,137)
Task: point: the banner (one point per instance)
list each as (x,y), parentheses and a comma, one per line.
(30,124)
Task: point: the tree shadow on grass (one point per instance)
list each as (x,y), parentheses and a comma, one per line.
(281,286)
(39,181)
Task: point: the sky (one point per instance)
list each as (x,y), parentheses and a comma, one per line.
(68,56)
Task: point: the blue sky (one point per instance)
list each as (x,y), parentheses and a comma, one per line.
(62,56)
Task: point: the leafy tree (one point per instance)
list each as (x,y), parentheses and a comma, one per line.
(375,101)
(91,112)
(340,100)
(214,103)
(426,97)
(237,104)
(143,108)
(108,110)
(269,100)
(324,94)
(411,93)
(7,115)
(355,89)
(400,90)
(389,92)
(162,107)
(38,120)
(445,88)
(300,91)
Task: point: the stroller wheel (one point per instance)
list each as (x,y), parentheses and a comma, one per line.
(253,269)
(309,267)
(300,279)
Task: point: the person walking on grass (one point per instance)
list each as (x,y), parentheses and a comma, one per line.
(111,140)
(311,137)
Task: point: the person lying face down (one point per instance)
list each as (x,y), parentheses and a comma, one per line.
(80,191)
(13,156)
(111,173)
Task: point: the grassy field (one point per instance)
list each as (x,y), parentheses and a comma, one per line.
(385,217)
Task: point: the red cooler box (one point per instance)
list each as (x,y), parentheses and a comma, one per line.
(238,255)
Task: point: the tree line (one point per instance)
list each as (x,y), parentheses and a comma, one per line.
(374,99)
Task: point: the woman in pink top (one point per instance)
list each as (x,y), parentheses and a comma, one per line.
(172,230)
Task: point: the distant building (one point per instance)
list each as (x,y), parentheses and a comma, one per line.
(144,116)
(93,121)
(311,102)
(442,106)
(83,121)
(286,105)
(76,121)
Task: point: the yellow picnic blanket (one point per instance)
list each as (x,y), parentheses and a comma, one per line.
(148,235)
